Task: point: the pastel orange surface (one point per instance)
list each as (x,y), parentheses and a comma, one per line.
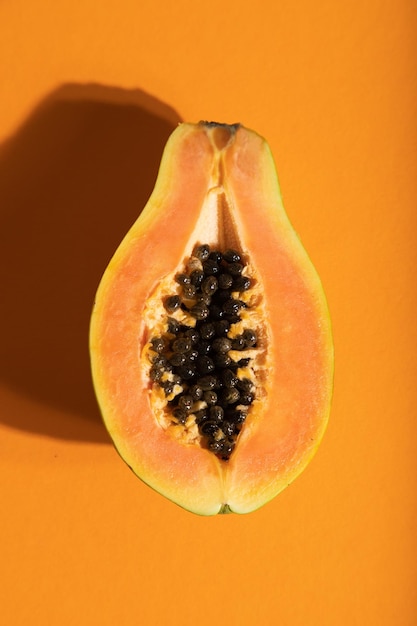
(89,93)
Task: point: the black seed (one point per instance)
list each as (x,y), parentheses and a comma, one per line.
(201,252)
(183,279)
(222,295)
(246,397)
(222,360)
(229,379)
(226,450)
(215,255)
(243,362)
(225,281)
(210,397)
(230,396)
(232,256)
(203,347)
(210,267)
(215,446)
(232,306)
(216,413)
(235,269)
(186,402)
(244,384)
(200,416)
(189,291)
(236,416)
(192,355)
(222,327)
(208,382)
(209,428)
(196,278)
(209,285)
(216,312)
(160,360)
(183,344)
(192,334)
(222,345)
(168,387)
(238,343)
(200,311)
(173,326)
(203,298)
(228,428)
(186,372)
(155,373)
(205,365)
(158,344)
(180,415)
(207,330)
(177,359)
(196,392)
(250,337)
(171,303)
(241,283)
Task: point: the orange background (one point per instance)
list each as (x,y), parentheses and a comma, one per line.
(89,93)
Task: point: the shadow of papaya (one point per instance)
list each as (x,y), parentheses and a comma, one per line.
(73,179)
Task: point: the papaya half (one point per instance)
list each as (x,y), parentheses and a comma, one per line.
(210,340)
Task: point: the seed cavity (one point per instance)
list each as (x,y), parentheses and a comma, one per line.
(202,361)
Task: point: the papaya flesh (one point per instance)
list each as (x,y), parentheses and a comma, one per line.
(233,444)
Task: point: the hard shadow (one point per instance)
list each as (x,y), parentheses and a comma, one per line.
(73,179)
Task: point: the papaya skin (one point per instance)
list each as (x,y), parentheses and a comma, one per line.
(217,184)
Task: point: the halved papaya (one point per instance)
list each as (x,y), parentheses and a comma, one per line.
(211,345)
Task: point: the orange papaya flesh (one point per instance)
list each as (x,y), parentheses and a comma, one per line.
(217,185)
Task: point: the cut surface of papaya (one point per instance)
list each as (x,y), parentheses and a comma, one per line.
(210,339)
